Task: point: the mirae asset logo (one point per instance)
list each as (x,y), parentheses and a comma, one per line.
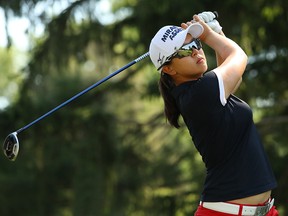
(171,33)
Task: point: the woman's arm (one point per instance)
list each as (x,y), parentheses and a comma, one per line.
(231,58)
(219,60)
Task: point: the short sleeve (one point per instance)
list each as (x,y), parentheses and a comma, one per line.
(209,90)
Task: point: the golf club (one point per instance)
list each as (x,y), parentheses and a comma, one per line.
(11,143)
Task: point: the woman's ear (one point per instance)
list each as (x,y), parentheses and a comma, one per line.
(168,69)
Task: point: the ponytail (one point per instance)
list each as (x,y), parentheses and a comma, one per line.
(171,110)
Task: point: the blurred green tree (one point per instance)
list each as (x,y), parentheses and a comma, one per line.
(111,151)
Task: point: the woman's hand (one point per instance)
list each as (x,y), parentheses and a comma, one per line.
(207,30)
(213,24)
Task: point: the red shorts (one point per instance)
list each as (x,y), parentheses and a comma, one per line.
(201,211)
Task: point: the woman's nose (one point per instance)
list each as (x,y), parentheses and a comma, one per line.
(194,52)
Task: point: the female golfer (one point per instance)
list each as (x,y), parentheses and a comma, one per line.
(239,177)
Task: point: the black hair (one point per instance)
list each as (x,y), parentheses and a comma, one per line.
(172,113)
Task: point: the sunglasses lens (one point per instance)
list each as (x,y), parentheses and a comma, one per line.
(195,44)
(183,53)
(187,49)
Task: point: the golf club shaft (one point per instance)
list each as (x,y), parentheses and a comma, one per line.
(83,92)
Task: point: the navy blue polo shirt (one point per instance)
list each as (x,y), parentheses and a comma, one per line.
(225,135)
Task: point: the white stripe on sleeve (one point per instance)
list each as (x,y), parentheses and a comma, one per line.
(221,89)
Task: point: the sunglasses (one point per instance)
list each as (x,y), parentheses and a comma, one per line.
(184,51)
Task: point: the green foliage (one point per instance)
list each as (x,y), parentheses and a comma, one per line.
(10,64)
(111,152)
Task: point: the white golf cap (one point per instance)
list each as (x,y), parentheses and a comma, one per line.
(168,40)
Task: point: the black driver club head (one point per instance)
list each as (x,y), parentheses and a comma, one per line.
(11,146)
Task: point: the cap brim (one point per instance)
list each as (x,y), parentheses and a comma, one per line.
(195,29)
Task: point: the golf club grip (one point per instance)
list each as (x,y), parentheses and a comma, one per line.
(142,57)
